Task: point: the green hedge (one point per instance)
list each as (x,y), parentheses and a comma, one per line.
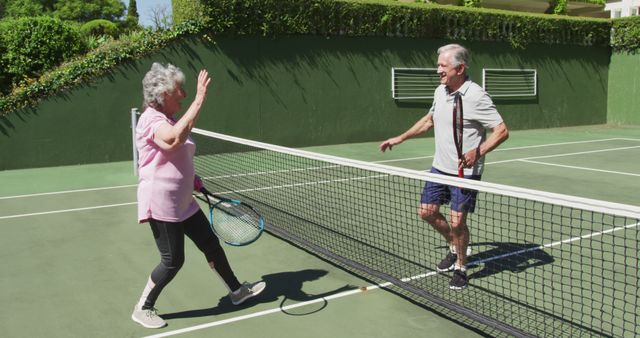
(96,63)
(330,17)
(383,18)
(625,35)
(30,46)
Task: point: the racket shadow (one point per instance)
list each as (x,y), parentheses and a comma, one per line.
(283,284)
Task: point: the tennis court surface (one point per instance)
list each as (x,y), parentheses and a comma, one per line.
(542,264)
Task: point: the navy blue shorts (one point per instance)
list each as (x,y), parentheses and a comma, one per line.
(462,200)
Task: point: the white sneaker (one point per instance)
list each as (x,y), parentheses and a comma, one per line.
(148,318)
(246,291)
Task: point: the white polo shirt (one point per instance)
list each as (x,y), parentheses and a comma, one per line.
(479,113)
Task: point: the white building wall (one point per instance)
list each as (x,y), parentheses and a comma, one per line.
(624,8)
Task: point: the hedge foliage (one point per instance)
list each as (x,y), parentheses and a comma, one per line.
(625,35)
(557,7)
(329,17)
(96,63)
(187,10)
(99,27)
(30,46)
(470,3)
(383,18)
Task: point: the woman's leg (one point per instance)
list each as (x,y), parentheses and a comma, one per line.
(197,229)
(170,241)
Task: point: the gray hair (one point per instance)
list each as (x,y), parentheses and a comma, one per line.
(460,55)
(159,80)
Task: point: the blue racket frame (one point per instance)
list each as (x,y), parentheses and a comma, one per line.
(259,220)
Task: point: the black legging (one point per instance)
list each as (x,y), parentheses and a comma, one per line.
(169,238)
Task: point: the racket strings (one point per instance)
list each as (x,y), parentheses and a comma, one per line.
(235,224)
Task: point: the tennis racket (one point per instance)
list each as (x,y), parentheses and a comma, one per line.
(233,221)
(458,117)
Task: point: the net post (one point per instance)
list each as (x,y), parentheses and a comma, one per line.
(134,121)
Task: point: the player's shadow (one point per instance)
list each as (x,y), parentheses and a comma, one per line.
(513,257)
(288,284)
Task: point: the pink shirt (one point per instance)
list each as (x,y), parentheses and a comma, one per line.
(165,178)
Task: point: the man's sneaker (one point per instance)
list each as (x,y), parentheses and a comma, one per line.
(459,280)
(246,291)
(448,263)
(148,318)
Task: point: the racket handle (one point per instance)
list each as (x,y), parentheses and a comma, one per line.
(197,183)
(460,174)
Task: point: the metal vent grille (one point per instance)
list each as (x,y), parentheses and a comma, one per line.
(510,82)
(413,83)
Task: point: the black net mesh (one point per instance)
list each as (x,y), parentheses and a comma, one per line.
(538,267)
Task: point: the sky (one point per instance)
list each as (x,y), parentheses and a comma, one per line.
(146,7)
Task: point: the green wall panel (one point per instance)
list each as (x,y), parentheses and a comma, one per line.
(297,91)
(624,89)
(81,126)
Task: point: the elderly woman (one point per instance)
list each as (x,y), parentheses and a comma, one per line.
(166,183)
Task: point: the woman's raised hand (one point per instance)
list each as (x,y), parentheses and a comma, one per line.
(203,83)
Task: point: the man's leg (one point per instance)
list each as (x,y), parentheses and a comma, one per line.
(433,196)
(460,236)
(431,214)
(462,202)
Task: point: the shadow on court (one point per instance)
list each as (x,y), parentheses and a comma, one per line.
(513,257)
(287,284)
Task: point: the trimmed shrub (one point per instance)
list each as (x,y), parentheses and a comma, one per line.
(31,46)
(99,27)
(625,34)
(394,19)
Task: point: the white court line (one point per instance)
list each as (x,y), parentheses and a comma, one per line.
(272,187)
(293,185)
(516,148)
(403,159)
(67,210)
(565,154)
(279,171)
(382,161)
(380,286)
(581,168)
(69,191)
(302,184)
(550,245)
(255,314)
(565,143)
(222,193)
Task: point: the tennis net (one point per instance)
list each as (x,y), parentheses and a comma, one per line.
(542,264)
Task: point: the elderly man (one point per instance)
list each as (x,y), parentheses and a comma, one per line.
(455,95)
